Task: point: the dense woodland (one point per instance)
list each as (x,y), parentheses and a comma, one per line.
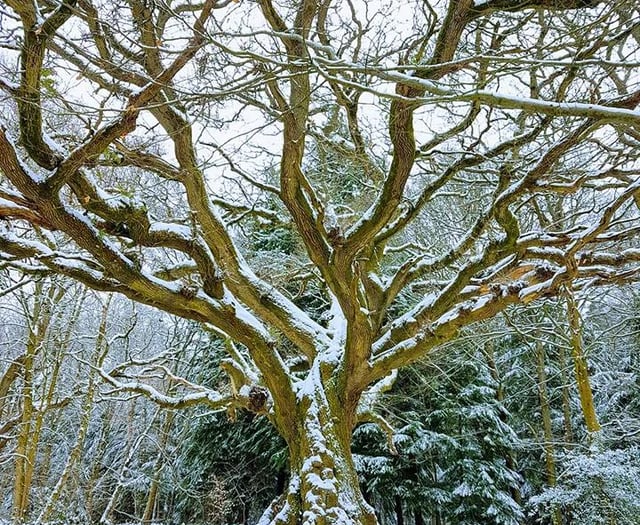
(319,262)
(487,430)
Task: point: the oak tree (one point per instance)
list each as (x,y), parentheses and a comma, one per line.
(417,152)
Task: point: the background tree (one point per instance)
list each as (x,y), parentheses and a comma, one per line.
(453,446)
(140,136)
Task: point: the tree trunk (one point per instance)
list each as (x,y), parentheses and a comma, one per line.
(75,454)
(566,397)
(398,508)
(163,441)
(130,452)
(21,484)
(545,409)
(38,318)
(323,487)
(90,486)
(580,365)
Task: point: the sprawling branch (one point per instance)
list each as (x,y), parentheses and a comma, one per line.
(407,188)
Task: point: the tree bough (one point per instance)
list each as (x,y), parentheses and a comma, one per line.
(422,194)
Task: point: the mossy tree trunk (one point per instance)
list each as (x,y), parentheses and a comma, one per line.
(39,317)
(110,240)
(323,487)
(583,381)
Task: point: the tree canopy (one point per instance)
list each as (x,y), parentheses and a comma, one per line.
(415,168)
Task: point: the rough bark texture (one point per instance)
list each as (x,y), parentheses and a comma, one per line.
(497,152)
(323,488)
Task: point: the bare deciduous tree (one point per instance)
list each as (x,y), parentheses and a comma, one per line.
(141,135)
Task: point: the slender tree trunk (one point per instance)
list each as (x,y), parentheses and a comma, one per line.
(38,318)
(165,432)
(40,414)
(131,450)
(21,474)
(87,405)
(90,487)
(566,397)
(580,364)
(545,409)
(398,509)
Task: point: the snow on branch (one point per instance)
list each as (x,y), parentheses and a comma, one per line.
(621,110)
(210,398)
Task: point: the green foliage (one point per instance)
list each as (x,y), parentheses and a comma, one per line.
(453,448)
(246,456)
(48,82)
(274,239)
(596,488)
